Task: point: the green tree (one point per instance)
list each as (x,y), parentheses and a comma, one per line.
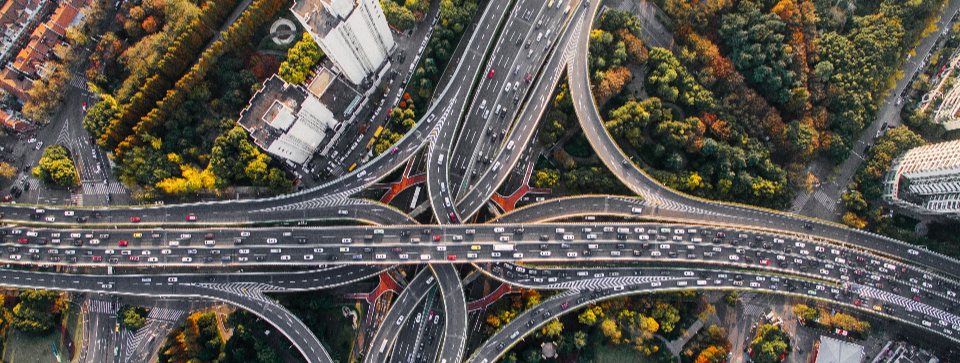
(854,201)
(580,339)
(805,312)
(671,82)
(611,330)
(37,312)
(196,340)
(132,318)
(590,315)
(532,355)
(760,50)
(731,298)
(56,167)
(99,116)
(769,344)
(399,17)
(300,60)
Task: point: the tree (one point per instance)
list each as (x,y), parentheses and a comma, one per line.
(399,17)
(7,170)
(196,340)
(546,178)
(854,201)
(760,50)
(671,82)
(611,330)
(56,167)
(532,355)
(99,115)
(589,315)
(300,60)
(805,312)
(769,344)
(37,312)
(731,298)
(666,315)
(132,318)
(580,339)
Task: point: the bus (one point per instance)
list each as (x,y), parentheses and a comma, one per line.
(352,167)
(379,130)
(416,196)
(503,247)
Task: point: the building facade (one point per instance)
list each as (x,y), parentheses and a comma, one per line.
(926,180)
(353,33)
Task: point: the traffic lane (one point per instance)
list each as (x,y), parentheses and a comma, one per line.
(573,299)
(400,312)
(473,199)
(455,308)
(518,29)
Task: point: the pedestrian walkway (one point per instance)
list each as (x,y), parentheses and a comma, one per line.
(80,82)
(509,203)
(165,314)
(825,200)
(102,307)
(98,188)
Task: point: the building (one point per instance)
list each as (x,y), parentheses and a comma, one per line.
(838,351)
(353,33)
(45,45)
(926,180)
(291,122)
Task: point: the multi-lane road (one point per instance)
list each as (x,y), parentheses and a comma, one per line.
(723,246)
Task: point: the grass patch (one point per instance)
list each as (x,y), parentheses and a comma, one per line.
(620,354)
(579,146)
(22,347)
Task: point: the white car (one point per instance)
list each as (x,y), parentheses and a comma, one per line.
(68,213)
(913,252)
(186,259)
(271,241)
(153,259)
(244,234)
(285,258)
(50,218)
(308,257)
(343,212)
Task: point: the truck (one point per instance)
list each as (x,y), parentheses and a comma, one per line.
(503,247)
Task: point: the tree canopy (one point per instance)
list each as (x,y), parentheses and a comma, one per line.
(37,312)
(56,167)
(300,60)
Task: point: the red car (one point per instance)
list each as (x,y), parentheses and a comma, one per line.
(436,238)
(453,217)
(857,303)
(452,257)
(134,258)
(134,219)
(22,241)
(491,74)
(7,198)
(192,218)
(765,262)
(122,243)
(97,259)
(564,306)
(529,76)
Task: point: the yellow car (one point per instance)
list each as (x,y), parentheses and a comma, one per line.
(475,247)
(137,235)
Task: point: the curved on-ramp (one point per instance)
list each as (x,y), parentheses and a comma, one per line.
(659,197)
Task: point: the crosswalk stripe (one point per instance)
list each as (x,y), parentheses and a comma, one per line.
(101,307)
(825,200)
(80,82)
(98,188)
(165,314)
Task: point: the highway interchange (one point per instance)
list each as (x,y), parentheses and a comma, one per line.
(708,245)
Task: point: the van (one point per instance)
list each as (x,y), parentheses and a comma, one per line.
(440,160)
(446,202)
(496,166)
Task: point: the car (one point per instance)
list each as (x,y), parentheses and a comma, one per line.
(565,305)
(436,238)
(453,217)
(50,218)
(529,76)
(39,145)
(452,257)
(122,243)
(192,218)
(134,219)
(343,212)
(913,252)
(490,75)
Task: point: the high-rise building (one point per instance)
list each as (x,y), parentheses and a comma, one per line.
(926,180)
(353,33)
